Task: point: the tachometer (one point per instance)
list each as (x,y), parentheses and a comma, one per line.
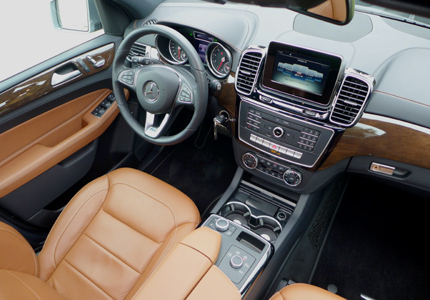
(178,54)
(219,60)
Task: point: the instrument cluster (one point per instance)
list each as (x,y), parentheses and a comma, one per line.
(213,54)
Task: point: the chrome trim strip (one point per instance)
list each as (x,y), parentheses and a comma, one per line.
(277,111)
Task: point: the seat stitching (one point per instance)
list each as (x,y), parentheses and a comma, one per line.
(86,277)
(165,251)
(202,253)
(27,246)
(55,263)
(26,285)
(130,227)
(156,199)
(72,218)
(107,250)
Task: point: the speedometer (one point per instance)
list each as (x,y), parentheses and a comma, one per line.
(219,59)
(177,53)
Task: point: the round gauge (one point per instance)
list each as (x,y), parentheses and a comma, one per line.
(219,59)
(177,53)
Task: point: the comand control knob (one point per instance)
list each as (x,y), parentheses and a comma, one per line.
(292,177)
(278,132)
(221,225)
(236,261)
(250,160)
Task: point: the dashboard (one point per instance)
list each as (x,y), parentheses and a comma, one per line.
(310,99)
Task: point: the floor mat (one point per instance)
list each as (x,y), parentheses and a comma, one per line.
(377,245)
(200,167)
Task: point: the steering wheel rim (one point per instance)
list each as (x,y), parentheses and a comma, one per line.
(199,93)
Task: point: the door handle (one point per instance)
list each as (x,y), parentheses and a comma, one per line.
(64,74)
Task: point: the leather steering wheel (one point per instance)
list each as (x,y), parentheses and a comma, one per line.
(161,89)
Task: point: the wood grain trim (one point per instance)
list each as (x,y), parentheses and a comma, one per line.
(40,143)
(227,96)
(40,85)
(386,138)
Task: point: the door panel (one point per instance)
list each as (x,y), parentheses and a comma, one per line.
(49,131)
(40,143)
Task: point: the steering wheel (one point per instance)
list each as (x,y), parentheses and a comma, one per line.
(161,89)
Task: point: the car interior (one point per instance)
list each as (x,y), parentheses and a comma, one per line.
(222,150)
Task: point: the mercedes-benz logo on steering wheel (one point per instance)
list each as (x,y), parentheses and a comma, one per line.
(151,91)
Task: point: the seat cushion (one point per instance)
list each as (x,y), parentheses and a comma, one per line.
(301,291)
(113,234)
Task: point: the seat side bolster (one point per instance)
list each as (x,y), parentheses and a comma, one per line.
(71,224)
(15,252)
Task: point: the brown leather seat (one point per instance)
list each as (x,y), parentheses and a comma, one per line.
(301,291)
(109,240)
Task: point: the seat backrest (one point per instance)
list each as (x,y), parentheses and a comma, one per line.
(113,234)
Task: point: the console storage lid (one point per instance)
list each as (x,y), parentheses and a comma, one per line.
(188,272)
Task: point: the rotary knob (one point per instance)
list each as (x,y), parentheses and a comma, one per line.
(236,262)
(250,160)
(292,177)
(221,225)
(278,132)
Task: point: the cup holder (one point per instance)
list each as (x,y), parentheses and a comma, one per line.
(267,227)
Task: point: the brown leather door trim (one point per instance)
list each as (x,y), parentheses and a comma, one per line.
(33,147)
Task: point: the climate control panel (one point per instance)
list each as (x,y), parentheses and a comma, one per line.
(290,176)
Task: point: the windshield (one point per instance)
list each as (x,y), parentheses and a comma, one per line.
(390,13)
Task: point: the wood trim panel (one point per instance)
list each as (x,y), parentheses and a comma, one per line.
(227,96)
(40,85)
(386,138)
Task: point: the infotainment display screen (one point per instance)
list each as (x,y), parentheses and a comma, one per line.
(305,73)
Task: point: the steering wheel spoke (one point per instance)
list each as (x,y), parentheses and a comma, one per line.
(155,124)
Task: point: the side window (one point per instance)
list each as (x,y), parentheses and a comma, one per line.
(33,31)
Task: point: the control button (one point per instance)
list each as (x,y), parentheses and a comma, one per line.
(265,99)
(250,160)
(236,262)
(290,152)
(283,150)
(298,155)
(259,140)
(253,138)
(292,177)
(221,225)
(274,147)
(278,132)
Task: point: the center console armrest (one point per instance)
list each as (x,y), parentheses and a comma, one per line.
(188,272)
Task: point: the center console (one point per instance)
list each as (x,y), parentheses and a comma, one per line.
(292,104)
